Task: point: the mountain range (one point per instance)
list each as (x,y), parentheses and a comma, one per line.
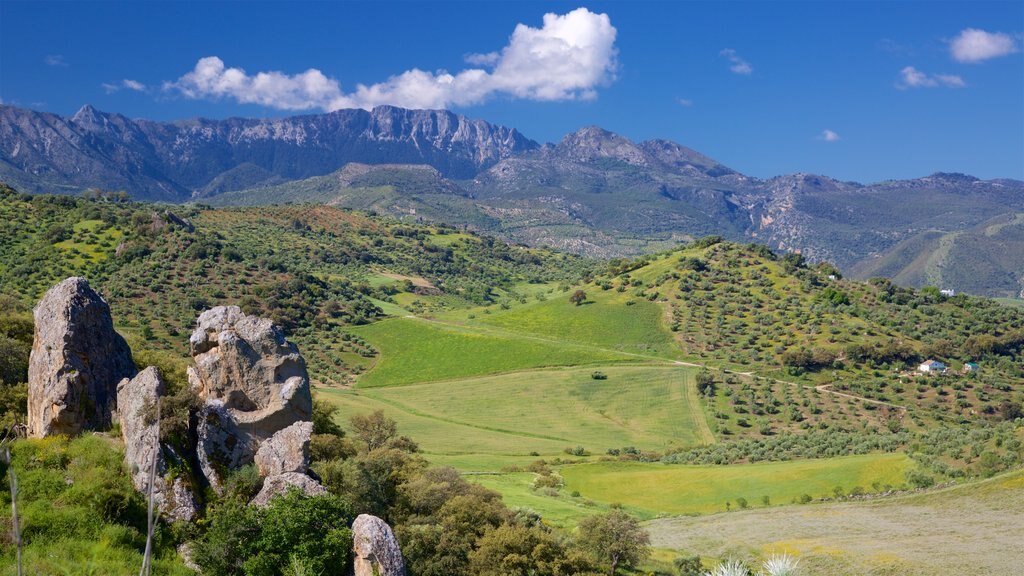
(594,192)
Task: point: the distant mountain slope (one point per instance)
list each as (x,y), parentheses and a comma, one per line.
(594,192)
(178,160)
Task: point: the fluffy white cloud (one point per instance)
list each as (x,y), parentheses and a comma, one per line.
(973,45)
(126,83)
(55,60)
(911,77)
(568,58)
(736,64)
(829,136)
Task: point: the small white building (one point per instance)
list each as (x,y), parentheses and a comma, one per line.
(948,292)
(931,367)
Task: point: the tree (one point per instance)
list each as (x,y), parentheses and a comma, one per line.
(374,430)
(705,382)
(578,297)
(614,539)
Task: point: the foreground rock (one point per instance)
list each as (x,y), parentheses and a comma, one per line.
(285,451)
(136,401)
(280,484)
(376,548)
(253,383)
(76,363)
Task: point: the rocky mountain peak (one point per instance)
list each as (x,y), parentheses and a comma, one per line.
(88,116)
(679,157)
(592,143)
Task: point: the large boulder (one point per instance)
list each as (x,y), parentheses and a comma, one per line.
(76,362)
(253,383)
(280,484)
(285,451)
(137,400)
(376,548)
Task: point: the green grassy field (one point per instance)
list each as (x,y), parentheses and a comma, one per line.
(416,350)
(659,488)
(542,411)
(605,321)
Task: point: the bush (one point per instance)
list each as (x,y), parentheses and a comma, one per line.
(295,530)
(598,375)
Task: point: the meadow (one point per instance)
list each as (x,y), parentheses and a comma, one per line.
(673,489)
(418,350)
(967,529)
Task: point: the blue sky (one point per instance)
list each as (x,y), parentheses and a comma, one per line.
(863,91)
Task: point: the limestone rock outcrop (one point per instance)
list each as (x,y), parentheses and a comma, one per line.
(136,400)
(285,451)
(253,383)
(277,485)
(77,360)
(376,548)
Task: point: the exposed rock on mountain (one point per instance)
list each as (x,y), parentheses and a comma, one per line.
(136,400)
(280,484)
(376,548)
(76,363)
(254,384)
(285,451)
(177,160)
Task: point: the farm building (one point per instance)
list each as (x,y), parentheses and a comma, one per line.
(931,366)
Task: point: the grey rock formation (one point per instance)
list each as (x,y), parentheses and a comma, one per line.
(254,384)
(136,401)
(277,485)
(76,363)
(285,451)
(376,548)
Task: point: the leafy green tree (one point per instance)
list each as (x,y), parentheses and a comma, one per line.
(513,549)
(614,539)
(578,297)
(705,382)
(688,566)
(294,530)
(374,430)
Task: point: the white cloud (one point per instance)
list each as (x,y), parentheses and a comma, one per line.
(133,85)
(55,60)
(685,102)
(126,83)
(911,77)
(973,45)
(829,136)
(568,58)
(489,59)
(737,65)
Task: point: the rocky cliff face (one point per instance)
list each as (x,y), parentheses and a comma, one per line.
(76,363)
(177,160)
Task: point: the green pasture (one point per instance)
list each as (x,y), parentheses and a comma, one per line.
(416,350)
(474,423)
(679,489)
(605,320)
(558,508)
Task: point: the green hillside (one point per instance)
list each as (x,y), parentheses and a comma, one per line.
(668,384)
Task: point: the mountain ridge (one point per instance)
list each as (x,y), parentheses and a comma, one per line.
(594,192)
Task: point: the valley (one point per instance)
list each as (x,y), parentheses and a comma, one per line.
(712,381)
